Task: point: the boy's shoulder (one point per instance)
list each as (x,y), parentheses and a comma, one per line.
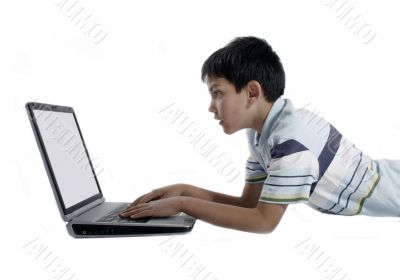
(285,122)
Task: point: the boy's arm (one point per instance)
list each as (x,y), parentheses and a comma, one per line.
(244,213)
(262,219)
(249,198)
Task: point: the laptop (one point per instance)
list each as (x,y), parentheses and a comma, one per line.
(75,185)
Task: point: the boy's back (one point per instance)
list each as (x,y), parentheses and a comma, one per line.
(301,157)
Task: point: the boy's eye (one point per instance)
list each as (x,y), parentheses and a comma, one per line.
(216,93)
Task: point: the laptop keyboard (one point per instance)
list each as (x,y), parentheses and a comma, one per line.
(114,217)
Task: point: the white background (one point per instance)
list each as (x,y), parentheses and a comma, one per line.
(151,58)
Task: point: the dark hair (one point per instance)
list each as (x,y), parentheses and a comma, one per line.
(245,59)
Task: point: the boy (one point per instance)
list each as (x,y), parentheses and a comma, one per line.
(293,156)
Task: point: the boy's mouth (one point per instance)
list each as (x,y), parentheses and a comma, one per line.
(220,123)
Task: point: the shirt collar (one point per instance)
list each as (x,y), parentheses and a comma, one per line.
(272,116)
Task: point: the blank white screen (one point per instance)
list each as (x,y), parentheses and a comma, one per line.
(67,156)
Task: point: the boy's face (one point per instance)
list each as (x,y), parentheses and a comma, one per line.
(227,105)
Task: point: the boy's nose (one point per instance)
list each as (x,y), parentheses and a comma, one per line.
(211,107)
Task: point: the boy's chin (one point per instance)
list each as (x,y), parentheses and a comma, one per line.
(230,131)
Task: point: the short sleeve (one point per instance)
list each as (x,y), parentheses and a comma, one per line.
(291,172)
(255,173)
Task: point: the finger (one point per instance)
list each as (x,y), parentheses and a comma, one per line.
(132,212)
(144,213)
(127,212)
(143,198)
(135,206)
(139,203)
(149,197)
(136,200)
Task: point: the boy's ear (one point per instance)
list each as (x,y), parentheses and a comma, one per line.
(254,90)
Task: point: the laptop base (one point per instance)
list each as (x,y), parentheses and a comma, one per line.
(93,230)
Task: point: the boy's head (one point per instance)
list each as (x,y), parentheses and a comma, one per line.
(244,78)
(245,59)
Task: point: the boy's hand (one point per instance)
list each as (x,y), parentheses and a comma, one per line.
(158,208)
(164,192)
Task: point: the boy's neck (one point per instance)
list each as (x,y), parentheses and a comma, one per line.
(261,116)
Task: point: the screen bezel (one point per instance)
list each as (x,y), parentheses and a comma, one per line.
(31,106)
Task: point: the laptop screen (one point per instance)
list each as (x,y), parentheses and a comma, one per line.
(69,161)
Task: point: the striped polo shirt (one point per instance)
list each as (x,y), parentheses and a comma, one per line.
(300,157)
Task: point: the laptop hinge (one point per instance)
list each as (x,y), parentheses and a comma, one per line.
(84,209)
